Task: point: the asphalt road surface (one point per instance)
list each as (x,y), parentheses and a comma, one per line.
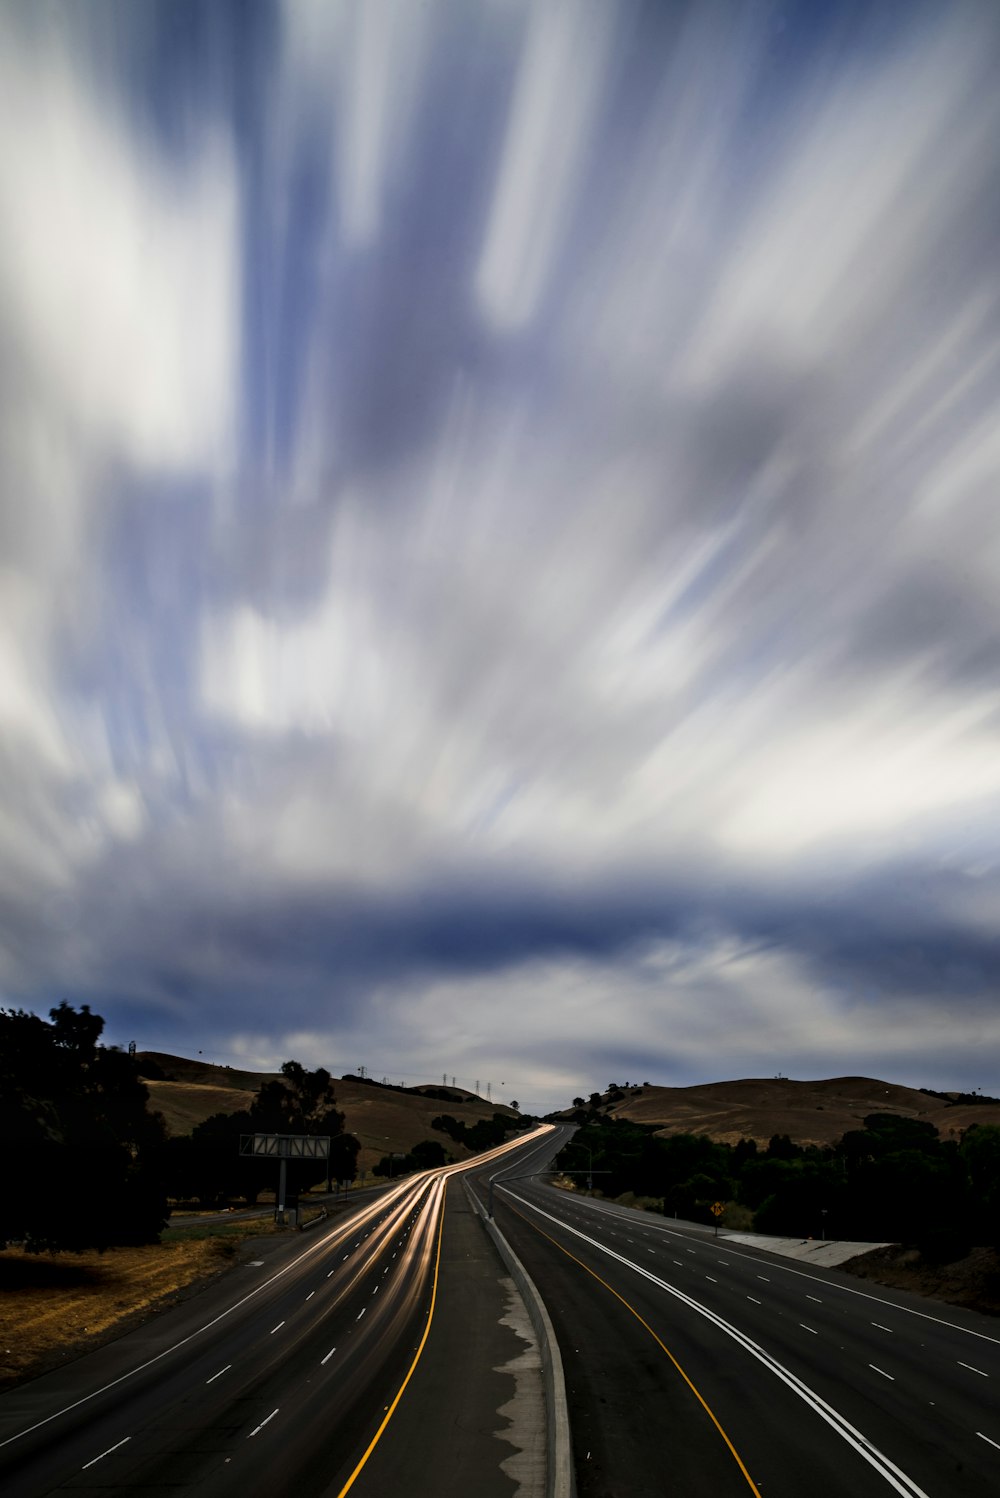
(698,1368)
(282,1378)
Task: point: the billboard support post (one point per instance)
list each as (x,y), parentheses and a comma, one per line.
(285,1147)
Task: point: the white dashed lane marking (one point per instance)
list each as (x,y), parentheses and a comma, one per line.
(105,1453)
(258,1428)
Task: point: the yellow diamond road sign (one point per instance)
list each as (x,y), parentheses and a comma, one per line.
(718,1208)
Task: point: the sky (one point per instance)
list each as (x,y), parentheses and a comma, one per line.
(500,536)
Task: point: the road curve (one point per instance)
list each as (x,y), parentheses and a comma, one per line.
(281,1378)
(700,1367)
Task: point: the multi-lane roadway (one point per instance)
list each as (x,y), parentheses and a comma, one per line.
(697,1366)
(285,1378)
(379,1355)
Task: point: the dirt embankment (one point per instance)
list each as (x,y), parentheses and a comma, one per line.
(972,1282)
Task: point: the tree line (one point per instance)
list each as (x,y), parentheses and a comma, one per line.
(893,1180)
(87,1164)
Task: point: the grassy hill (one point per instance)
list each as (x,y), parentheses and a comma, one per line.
(386,1120)
(808,1112)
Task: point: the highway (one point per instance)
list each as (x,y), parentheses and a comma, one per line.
(283,1377)
(361,1358)
(696,1367)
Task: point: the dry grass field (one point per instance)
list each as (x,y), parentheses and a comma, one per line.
(808,1112)
(385,1121)
(53,1307)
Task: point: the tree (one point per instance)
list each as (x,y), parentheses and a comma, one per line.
(81,1149)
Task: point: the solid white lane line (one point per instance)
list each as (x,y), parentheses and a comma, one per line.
(276,1328)
(808,1329)
(883,1373)
(260,1427)
(601,1209)
(882,1328)
(105,1453)
(971,1369)
(887,1469)
(988,1440)
(219,1374)
(328,1356)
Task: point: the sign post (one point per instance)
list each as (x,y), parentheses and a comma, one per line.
(285,1147)
(717,1210)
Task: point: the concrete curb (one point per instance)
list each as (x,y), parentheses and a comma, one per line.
(560,1481)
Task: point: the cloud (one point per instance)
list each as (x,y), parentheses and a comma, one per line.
(501,534)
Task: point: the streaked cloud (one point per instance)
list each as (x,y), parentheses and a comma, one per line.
(499,536)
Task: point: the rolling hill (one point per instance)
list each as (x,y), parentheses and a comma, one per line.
(387,1120)
(808,1112)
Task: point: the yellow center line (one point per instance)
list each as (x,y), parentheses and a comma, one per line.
(704,1404)
(416,1359)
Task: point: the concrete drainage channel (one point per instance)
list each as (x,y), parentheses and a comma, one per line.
(559,1482)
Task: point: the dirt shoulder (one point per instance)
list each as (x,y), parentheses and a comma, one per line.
(972,1282)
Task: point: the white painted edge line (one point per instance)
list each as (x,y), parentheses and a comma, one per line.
(883,1465)
(560,1478)
(260,1427)
(605,1209)
(418,1186)
(219,1374)
(105,1453)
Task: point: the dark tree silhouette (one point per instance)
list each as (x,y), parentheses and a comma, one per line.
(81,1149)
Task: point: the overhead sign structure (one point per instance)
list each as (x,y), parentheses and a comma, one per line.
(285,1147)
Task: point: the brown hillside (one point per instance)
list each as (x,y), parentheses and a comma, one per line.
(809,1112)
(386,1121)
